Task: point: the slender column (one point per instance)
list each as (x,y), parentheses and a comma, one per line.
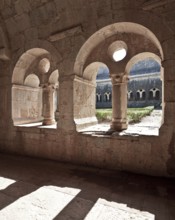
(119,102)
(48,105)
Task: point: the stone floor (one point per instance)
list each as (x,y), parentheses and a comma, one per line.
(36,189)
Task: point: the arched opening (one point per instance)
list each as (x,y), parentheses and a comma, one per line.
(150,95)
(130,95)
(32,81)
(105,46)
(31,91)
(145,80)
(107,97)
(154,94)
(98,97)
(141,95)
(157,95)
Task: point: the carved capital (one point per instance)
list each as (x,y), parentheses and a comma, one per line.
(119,79)
(49,87)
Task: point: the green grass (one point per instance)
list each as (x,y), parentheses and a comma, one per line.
(134,115)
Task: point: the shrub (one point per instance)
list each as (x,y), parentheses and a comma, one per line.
(134,115)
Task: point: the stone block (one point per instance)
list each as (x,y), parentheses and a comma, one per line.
(8,12)
(169,91)
(17,41)
(169,49)
(22,6)
(11,26)
(22,22)
(43,14)
(169,113)
(31,34)
(169,70)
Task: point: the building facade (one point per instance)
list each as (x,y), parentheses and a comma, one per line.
(144,86)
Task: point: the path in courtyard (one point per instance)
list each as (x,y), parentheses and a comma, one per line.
(148,126)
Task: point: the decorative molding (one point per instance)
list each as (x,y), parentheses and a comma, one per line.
(66,33)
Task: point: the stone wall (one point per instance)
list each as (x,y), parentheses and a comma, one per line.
(26,104)
(84,103)
(61,28)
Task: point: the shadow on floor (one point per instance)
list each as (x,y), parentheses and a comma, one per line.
(143,193)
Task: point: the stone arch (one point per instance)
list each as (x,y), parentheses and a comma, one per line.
(157,97)
(93,49)
(141,94)
(107,97)
(32,80)
(98,97)
(25,62)
(140,57)
(130,95)
(150,94)
(109,31)
(91,71)
(44,95)
(54,77)
(154,93)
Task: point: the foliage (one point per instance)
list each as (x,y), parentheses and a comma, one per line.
(104,115)
(134,115)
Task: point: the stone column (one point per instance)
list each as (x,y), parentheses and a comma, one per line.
(119,102)
(48,105)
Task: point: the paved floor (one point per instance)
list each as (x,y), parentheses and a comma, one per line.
(35,189)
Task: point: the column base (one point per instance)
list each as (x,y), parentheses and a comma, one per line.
(49,122)
(118,125)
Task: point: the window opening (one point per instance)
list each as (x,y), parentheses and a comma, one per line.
(33,92)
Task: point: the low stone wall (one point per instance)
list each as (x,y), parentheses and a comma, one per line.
(26,104)
(140,154)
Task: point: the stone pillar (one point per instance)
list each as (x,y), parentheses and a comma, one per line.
(48,105)
(119,102)
(66,103)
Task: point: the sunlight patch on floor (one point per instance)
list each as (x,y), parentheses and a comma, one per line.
(105,210)
(5,182)
(43,204)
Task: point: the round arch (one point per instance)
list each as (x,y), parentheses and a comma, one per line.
(91,71)
(54,77)
(140,57)
(109,31)
(24,63)
(32,80)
